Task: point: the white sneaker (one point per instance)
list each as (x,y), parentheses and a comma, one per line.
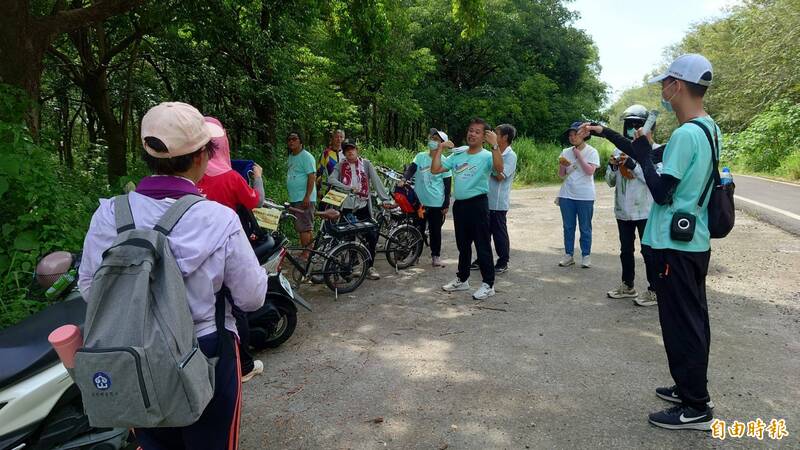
(483,292)
(586,261)
(456,285)
(623,291)
(373,274)
(648,299)
(567,260)
(258,368)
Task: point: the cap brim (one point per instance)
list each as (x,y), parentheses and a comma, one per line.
(658,79)
(215,130)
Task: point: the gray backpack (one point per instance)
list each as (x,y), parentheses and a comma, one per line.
(141,365)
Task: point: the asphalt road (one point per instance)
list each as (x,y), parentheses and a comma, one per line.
(548,363)
(774,202)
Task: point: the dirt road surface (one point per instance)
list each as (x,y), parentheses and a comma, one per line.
(549,362)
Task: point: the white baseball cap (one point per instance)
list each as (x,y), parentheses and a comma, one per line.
(690,67)
(442,135)
(180,127)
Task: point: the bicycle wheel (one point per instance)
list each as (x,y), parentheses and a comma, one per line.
(346,267)
(404,246)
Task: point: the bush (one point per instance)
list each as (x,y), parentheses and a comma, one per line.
(769,143)
(45,208)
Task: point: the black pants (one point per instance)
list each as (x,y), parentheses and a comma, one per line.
(471,223)
(434,219)
(243,329)
(499,230)
(363,215)
(627,238)
(683,313)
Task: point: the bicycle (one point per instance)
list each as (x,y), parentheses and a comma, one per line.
(340,261)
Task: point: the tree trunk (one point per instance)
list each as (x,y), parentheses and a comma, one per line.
(266,114)
(24,39)
(96,88)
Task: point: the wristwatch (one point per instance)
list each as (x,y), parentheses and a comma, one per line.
(495,147)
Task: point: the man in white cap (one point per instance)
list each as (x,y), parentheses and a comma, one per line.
(210,249)
(677,231)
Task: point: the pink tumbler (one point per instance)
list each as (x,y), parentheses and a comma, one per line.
(66,340)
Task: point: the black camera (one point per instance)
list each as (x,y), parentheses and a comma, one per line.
(682,227)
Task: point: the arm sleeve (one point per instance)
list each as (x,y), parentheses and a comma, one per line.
(410,171)
(259,187)
(620,141)
(376,183)
(321,164)
(246,279)
(447,163)
(448,185)
(334,178)
(662,187)
(611,176)
(511,168)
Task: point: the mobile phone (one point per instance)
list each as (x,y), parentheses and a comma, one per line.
(650,122)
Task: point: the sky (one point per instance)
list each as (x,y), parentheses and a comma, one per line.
(632,35)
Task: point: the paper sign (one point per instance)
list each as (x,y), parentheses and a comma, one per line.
(267,218)
(334,198)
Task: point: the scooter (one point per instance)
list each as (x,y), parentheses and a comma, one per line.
(40,406)
(275,322)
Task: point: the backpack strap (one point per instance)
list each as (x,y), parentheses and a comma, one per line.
(714,144)
(122,214)
(175,212)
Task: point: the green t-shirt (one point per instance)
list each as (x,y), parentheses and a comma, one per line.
(300,166)
(429,187)
(687,157)
(470,173)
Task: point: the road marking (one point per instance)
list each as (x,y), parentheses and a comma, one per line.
(771,180)
(771,208)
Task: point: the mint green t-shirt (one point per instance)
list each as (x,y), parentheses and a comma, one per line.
(687,157)
(429,187)
(300,166)
(470,173)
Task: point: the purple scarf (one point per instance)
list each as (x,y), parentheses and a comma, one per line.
(161,187)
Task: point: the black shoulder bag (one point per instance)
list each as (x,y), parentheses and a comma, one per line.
(721,209)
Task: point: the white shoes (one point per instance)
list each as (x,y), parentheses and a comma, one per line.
(258,368)
(649,298)
(456,285)
(586,261)
(485,291)
(567,260)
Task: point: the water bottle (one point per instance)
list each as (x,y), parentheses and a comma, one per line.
(62,283)
(725,177)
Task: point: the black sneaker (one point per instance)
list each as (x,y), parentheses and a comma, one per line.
(670,394)
(682,417)
(500,269)
(474,266)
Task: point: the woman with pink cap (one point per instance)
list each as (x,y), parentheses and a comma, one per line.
(223,184)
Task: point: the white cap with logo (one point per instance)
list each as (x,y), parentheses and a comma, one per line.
(442,135)
(180,126)
(691,67)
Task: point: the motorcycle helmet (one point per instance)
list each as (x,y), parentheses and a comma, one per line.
(633,118)
(51,267)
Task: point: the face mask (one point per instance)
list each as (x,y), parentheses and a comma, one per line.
(631,132)
(666,104)
(433,145)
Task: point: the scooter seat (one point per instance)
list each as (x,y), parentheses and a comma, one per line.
(265,248)
(24,349)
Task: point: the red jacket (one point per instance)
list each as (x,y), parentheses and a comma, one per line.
(230,189)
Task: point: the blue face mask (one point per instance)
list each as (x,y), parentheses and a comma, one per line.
(433,145)
(666,104)
(631,132)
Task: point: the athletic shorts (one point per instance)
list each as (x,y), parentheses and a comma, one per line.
(305,221)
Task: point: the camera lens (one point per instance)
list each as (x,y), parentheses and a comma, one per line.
(683,224)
